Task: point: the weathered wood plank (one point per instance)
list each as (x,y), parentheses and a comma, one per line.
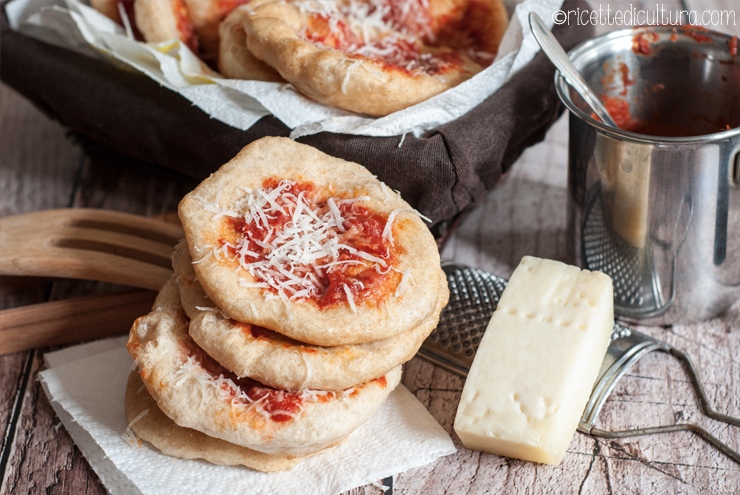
(44,459)
(102,185)
(38,165)
(39,162)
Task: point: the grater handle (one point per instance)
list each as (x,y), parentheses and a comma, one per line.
(624,351)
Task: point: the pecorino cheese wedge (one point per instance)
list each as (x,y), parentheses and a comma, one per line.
(537,362)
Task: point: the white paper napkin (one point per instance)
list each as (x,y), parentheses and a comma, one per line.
(86,386)
(74,24)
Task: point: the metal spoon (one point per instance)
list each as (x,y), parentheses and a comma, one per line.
(560,59)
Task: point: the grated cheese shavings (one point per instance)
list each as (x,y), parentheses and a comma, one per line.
(345,81)
(294,257)
(350,298)
(129,436)
(390,31)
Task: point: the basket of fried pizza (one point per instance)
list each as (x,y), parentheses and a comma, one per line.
(301,287)
(372,57)
(441,173)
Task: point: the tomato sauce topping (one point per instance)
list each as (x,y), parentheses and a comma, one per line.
(303,244)
(256,331)
(278,405)
(394,33)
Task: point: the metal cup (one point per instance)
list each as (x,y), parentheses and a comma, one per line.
(659,214)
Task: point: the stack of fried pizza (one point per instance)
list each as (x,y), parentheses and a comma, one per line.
(302,286)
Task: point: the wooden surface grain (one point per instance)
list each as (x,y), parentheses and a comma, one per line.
(41,167)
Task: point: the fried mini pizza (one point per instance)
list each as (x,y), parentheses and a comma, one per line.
(151,425)
(164,20)
(283,363)
(235,61)
(316,248)
(193,390)
(287,364)
(375,56)
(206,16)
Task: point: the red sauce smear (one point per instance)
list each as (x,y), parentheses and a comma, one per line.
(275,338)
(185,25)
(257,332)
(280,405)
(363,232)
(693,32)
(733,46)
(626,81)
(641,43)
(320,31)
(619,110)
(226,6)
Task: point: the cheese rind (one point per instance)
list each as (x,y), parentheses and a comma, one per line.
(537,362)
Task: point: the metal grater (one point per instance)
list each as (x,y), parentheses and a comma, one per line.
(474,295)
(637,293)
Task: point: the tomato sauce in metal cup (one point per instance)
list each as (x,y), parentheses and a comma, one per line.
(655,204)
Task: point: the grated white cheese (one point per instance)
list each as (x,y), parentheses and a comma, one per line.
(405,278)
(129,436)
(387,30)
(345,82)
(388,229)
(125,20)
(350,298)
(226,389)
(207,309)
(295,259)
(309,373)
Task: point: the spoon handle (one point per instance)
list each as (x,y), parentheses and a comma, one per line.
(560,59)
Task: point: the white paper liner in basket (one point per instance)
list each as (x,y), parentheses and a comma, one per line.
(240,104)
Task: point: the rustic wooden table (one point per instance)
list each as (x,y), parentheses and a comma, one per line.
(40,168)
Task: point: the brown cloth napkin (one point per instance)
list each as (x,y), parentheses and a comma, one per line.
(440,174)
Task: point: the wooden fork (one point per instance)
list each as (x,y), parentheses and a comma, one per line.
(89,244)
(84,244)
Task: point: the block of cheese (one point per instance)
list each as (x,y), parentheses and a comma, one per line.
(537,362)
